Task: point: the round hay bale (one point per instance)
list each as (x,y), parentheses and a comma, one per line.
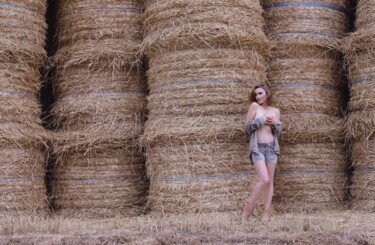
(23,30)
(97,182)
(309,190)
(105,29)
(359,55)
(200,193)
(312,156)
(22,186)
(179,25)
(321,22)
(203,82)
(100,100)
(307,85)
(362,187)
(365,16)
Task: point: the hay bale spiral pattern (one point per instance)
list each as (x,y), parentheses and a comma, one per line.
(201,66)
(22,30)
(99,110)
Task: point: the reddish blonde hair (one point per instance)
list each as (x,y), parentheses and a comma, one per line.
(266,89)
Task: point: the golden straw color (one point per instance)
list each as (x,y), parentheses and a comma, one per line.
(99,182)
(180,25)
(322,22)
(99,28)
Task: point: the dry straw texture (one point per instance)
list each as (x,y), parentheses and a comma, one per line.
(196,150)
(22,137)
(23,31)
(100,107)
(310,177)
(362,188)
(365,15)
(107,29)
(308,88)
(22,185)
(178,25)
(321,22)
(359,54)
(99,183)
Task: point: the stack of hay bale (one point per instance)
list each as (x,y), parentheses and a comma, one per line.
(305,73)
(99,109)
(204,56)
(22,184)
(360,56)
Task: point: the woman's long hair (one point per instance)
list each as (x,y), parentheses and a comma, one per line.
(268,93)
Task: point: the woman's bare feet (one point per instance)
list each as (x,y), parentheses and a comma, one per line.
(247,212)
(266,216)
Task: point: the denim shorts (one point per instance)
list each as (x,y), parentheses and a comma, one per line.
(266,154)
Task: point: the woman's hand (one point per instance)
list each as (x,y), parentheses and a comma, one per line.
(271,119)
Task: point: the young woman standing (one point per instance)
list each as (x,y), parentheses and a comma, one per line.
(262,127)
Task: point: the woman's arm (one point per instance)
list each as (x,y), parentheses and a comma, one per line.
(252,123)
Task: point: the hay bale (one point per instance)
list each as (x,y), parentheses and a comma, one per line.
(26,44)
(362,188)
(312,156)
(99,29)
(179,25)
(359,55)
(86,96)
(365,16)
(22,185)
(310,177)
(194,130)
(321,22)
(308,84)
(98,182)
(309,190)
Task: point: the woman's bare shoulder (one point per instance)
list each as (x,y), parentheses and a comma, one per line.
(254,105)
(276,110)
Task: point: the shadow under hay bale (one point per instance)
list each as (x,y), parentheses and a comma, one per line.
(320,22)
(99,183)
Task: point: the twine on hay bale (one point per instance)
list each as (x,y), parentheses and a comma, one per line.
(99,182)
(100,28)
(365,16)
(359,55)
(309,190)
(178,25)
(200,193)
(89,96)
(198,158)
(202,82)
(22,184)
(312,156)
(321,22)
(26,45)
(362,188)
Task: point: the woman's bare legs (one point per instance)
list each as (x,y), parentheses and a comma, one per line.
(268,192)
(262,183)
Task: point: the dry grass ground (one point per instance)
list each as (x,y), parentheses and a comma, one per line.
(329,227)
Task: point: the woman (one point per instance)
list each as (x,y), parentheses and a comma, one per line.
(262,127)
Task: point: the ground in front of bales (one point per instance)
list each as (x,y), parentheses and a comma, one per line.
(328,227)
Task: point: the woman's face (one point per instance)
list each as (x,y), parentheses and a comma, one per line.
(260,95)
